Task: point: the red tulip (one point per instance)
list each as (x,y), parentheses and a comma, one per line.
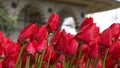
(2,47)
(53,22)
(5,41)
(1,34)
(115,28)
(72,47)
(93,50)
(30,49)
(90,49)
(43,66)
(106,38)
(26,35)
(114,47)
(88,33)
(50,52)
(65,43)
(86,21)
(62,44)
(90,65)
(110,63)
(8,47)
(85,48)
(2,53)
(41,33)
(55,39)
(61,58)
(11,48)
(114,50)
(40,46)
(58,65)
(1,62)
(9,61)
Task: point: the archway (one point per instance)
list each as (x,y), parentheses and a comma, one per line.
(68,19)
(29,14)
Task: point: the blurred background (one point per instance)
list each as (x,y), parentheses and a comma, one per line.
(15,14)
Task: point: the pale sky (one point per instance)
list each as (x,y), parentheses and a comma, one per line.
(106,18)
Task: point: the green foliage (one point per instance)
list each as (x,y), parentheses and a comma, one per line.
(6,23)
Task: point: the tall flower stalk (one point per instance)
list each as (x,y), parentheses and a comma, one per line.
(19,56)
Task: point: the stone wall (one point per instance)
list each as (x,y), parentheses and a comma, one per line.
(14,9)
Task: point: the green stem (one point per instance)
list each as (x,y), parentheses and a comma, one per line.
(71,64)
(87,63)
(28,62)
(64,64)
(49,58)
(81,60)
(68,63)
(103,63)
(95,62)
(51,66)
(19,56)
(41,60)
(79,56)
(36,58)
(38,62)
(19,65)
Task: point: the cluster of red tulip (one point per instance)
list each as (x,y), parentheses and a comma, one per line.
(87,49)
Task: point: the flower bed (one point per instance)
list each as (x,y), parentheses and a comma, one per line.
(87,49)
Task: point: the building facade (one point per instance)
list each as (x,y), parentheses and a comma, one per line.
(31,11)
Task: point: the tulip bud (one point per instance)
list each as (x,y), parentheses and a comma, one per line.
(86,21)
(41,45)
(41,33)
(54,40)
(29,48)
(52,23)
(27,33)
